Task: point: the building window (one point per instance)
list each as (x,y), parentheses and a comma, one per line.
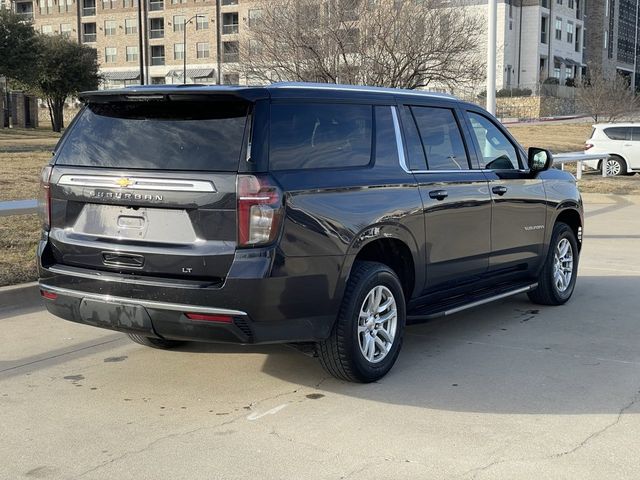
(47,29)
(568,72)
(178,51)
(571,4)
(132,54)
(155,5)
(231,79)
(556,70)
(569,32)
(130,26)
(229,23)
(255,47)
(178,23)
(578,38)
(559,2)
(202,22)
(229,2)
(106,4)
(65,29)
(156,27)
(606,39)
(230,52)
(88,8)
(544,3)
(110,27)
(558,29)
(157,55)
(202,50)
(65,5)
(88,32)
(128,3)
(255,17)
(158,80)
(544,27)
(110,54)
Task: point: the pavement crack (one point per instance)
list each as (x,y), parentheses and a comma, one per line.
(476,471)
(600,431)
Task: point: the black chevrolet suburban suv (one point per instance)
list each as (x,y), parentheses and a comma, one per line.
(317,215)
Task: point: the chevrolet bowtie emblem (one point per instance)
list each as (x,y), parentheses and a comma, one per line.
(125,182)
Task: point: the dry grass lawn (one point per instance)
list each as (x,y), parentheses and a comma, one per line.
(18,238)
(568,137)
(23,153)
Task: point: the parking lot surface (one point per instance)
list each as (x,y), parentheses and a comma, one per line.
(510,390)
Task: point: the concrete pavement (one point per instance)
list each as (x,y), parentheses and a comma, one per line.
(510,390)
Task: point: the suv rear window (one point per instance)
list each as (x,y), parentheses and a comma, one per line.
(316,135)
(618,133)
(158,135)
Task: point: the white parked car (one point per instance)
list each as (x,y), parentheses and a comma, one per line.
(621,141)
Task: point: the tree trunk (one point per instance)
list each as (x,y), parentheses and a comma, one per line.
(56,113)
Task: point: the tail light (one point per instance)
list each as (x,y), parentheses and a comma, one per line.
(259,210)
(44,201)
(588,146)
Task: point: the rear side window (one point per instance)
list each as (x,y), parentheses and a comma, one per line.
(315,135)
(386,145)
(618,133)
(176,135)
(441,138)
(636,134)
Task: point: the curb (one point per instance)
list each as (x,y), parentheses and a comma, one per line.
(19,295)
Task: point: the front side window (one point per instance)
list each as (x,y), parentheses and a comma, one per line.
(308,135)
(441,138)
(496,150)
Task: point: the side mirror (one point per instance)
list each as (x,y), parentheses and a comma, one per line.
(539,159)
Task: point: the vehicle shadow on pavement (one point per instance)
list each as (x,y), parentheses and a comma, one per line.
(508,357)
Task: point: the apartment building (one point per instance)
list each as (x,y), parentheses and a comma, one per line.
(120,31)
(613,39)
(537,39)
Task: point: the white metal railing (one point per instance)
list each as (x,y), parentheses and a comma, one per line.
(18,207)
(578,158)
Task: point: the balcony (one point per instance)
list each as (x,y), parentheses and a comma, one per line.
(88,11)
(88,38)
(157,60)
(156,33)
(229,29)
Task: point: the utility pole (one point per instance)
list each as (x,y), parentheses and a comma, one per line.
(219,40)
(491,56)
(141,50)
(635,51)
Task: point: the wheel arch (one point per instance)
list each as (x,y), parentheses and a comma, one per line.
(618,156)
(392,245)
(572,217)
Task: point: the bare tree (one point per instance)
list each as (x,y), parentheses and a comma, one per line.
(605,96)
(408,44)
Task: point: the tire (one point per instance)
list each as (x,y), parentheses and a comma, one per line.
(615,166)
(552,289)
(349,354)
(160,343)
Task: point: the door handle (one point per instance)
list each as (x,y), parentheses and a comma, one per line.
(438,194)
(499,190)
(628,145)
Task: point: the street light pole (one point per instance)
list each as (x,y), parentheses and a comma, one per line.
(491,56)
(184,47)
(635,51)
